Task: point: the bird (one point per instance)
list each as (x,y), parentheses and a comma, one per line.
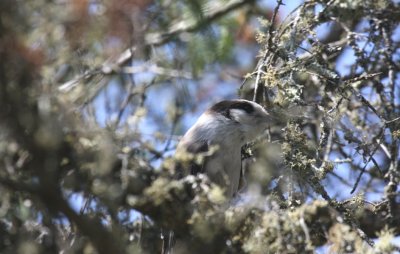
(218,136)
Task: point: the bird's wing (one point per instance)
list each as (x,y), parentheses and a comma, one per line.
(198,147)
(243,172)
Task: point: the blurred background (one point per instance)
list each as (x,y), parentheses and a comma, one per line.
(101,91)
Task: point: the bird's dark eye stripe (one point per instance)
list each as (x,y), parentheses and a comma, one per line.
(223,107)
(243,105)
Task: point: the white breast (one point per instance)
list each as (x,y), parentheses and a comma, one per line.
(223,168)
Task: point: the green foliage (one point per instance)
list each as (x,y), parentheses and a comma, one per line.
(86,141)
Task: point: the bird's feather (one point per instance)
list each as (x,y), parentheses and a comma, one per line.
(201,146)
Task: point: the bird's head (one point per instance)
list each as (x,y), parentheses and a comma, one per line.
(248,117)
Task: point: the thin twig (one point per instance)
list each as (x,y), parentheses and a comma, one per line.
(157,70)
(125,103)
(257,88)
(111,66)
(380,136)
